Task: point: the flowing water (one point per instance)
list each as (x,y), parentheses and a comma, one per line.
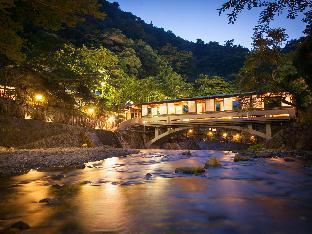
(116,196)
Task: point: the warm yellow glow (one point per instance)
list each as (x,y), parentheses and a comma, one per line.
(190,131)
(224,135)
(111,119)
(210,133)
(252,138)
(39,97)
(27,116)
(236,137)
(91,110)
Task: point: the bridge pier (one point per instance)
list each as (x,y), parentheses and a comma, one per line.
(250,127)
(157,132)
(268,131)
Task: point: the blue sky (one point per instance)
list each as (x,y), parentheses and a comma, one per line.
(199,19)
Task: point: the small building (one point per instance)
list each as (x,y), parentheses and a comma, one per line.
(211,104)
(7,92)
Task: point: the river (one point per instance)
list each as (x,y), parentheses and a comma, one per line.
(115,196)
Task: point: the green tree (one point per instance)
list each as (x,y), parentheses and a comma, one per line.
(173,85)
(269,10)
(45,14)
(206,85)
(129,62)
(181,61)
(303,60)
(268,69)
(151,62)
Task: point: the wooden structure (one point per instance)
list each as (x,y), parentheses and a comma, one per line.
(234,111)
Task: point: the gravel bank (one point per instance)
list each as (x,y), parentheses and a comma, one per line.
(15,162)
(273,153)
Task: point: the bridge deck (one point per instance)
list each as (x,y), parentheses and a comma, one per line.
(215,118)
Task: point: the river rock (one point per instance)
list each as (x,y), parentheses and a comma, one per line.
(148,176)
(57,177)
(57,186)
(212,162)
(288,159)
(190,170)
(238,158)
(86,182)
(20,225)
(187,153)
(50,201)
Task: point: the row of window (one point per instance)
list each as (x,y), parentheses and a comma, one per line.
(189,107)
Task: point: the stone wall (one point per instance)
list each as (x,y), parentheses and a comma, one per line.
(297,136)
(20,133)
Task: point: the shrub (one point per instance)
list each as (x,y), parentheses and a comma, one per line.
(255,147)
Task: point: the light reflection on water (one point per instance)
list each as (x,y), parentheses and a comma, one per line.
(113,195)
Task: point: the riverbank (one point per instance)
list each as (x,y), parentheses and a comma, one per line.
(15,162)
(288,155)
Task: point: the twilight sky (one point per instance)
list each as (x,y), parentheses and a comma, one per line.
(193,19)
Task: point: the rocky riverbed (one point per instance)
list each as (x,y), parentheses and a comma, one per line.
(275,153)
(162,191)
(15,162)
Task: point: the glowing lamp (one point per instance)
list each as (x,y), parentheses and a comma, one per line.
(39,97)
(224,135)
(111,119)
(90,110)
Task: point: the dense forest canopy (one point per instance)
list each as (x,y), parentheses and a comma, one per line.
(269,66)
(188,58)
(94,53)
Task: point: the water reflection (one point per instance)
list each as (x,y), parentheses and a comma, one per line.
(114,195)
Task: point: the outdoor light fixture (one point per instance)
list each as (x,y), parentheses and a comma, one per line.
(190,131)
(111,119)
(39,97)
(90,110)
(236,137)
(210,133)
(224,135)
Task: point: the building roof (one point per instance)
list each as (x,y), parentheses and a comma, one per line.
(199,98)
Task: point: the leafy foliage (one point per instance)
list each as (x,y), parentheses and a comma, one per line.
(15,15)
(205,86)
(269,9)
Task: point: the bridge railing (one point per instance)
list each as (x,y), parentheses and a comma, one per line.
(259,115)
(239,116)
(130,122)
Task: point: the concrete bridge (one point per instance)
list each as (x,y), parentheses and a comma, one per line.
(242,121)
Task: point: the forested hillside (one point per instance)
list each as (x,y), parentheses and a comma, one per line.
(187,58)
(94,54)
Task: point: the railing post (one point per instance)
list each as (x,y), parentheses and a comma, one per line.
(156,132)
(268,131)
(250,127)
